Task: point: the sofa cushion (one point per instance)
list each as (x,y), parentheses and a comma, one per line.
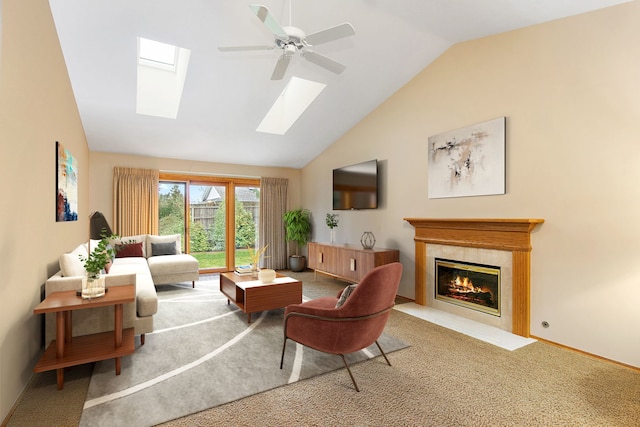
(163,239)
(70,263)
(130,250)
(168,248)
(171,264)
(146,297)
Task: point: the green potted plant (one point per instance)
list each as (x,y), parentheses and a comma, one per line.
(297,225)
(332,222)
(95,263)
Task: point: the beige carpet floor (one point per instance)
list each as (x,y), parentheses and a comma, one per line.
(443,379)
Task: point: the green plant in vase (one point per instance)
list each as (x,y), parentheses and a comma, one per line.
(332,222)
(99,257)
(95,263)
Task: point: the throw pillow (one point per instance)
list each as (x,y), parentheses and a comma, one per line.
(130,250)
(168,248)
(345,294)
(152,238)
(120,241)
(71,265)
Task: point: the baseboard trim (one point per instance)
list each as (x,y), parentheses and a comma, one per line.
(595,356)
(6,419)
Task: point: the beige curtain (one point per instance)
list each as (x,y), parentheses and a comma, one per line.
(273,204)
(135,201)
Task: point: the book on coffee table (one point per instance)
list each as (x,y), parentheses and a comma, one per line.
(243,270)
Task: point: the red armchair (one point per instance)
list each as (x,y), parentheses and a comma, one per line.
(353,326)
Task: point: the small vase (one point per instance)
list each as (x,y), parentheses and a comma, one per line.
(267,275)
(333,235)
(254,269)
(368,240)
(93,286)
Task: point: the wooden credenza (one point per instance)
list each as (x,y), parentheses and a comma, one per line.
(348,262)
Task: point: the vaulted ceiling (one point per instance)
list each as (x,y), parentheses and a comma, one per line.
(227,94)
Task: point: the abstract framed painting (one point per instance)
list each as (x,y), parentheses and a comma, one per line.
(469,161)
(66,185)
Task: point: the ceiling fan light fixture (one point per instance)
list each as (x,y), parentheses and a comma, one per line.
(292,39)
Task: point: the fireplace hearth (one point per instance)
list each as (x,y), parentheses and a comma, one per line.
(469,285)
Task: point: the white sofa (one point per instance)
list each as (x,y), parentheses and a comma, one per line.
(147,261)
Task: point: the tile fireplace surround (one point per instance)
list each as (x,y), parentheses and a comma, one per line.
(508,235)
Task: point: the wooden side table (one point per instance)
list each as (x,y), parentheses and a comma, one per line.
(64,352)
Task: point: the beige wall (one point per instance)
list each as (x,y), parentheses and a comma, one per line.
(102,164)
(570,92)
(37,108)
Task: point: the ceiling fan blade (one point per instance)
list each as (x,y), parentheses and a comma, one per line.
(243,48)
(330,34)
(324,61)
(265,16)
(281,67)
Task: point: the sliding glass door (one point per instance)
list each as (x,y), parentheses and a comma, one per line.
(247,218)
(208,225)
(171,201)
(217,217)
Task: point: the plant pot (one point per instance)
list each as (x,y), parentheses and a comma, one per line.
(297,263)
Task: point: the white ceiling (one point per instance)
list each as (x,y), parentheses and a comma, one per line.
(226,95)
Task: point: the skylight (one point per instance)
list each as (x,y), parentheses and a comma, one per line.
(162,70)
(292,102)
(158,53)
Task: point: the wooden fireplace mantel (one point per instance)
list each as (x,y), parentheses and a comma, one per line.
(504,234)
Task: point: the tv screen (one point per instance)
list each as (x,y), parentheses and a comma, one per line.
(356,186)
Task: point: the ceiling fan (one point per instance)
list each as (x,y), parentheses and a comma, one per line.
(291,39)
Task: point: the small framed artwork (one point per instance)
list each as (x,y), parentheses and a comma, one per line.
(66,185)
(469,161)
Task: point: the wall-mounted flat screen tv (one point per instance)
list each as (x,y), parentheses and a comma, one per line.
(356,186)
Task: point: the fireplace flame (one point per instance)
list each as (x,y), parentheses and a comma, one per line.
(464,285)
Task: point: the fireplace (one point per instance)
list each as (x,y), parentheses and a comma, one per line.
(479,240)
(469,285)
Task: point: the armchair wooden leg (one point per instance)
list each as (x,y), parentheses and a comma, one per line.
(346,365)
(383,353)
(142,339)
(193,283)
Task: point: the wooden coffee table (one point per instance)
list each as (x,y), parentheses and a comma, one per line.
(251,295)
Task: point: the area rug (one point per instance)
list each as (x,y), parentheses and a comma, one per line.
(202,354)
